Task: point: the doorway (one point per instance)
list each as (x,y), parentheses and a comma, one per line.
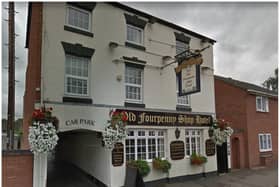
(235,154)
(222,158)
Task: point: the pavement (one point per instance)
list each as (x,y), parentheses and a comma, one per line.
(260,177)
(62,174)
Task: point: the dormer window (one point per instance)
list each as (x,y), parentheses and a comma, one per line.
(78,18)
(262,104)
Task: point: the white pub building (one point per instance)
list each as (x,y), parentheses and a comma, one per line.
(85,59)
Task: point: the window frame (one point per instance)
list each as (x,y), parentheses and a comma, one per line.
(181,97)
(134,85)
(157,137)
(81,10)
(265,135)
(262,100)
(77,77)
(190,144)
(137,28)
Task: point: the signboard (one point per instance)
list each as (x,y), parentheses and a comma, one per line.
(117,155)
(210,147)
(177,150)
(188,74)
(167,119)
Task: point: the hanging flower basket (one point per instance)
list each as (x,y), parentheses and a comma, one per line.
(42,135)
(115,131)
(220,131)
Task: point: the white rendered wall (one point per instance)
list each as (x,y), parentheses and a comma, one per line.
(108,24)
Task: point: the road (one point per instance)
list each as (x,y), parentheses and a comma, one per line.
(261,177)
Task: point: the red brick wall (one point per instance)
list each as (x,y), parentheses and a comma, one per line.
(33,72)
(231,106)
(17,169)
(262,122)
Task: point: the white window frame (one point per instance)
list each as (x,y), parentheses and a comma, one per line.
(135,85)
(82,10)
(178,99)
(196,143)
(146,137)
(142,35)
(263,108)
(77,77)
(266,137)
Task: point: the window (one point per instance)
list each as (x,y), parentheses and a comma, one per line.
(193,142)
(78,18)
(76,75)
(265,143)
(262,104)
(182,100)
(134,34)
(145,144)
(133,84)
(181,47)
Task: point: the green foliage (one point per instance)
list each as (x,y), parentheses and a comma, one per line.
(160,164)
(141,165)
(197,159)
(272,82)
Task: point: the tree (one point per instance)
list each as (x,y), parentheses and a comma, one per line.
(272,82)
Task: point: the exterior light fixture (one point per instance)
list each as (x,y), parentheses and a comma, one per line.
(177,133)
(113,45)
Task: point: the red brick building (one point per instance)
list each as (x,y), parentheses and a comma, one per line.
(253,112)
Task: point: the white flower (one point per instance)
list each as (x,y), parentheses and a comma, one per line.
(42,137)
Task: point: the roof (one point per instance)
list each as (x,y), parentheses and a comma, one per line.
(247,86)
(135,11)
(161,21)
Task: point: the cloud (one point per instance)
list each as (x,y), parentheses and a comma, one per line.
(246,33)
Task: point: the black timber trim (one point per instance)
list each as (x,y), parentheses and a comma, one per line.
(83,5)
(78,31)
(135,59)
(134,105)
(183,108)
(161,21)
(135,21)
(77,100)
(140,47)
(77,49)
(131,64)
(181,37)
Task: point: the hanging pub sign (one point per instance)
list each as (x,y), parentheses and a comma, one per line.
(188,75)
(166,119)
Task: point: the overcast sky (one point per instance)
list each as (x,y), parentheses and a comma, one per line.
(246,35)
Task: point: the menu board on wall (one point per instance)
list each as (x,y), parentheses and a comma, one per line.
(177,150)
(118,154)
(210,147)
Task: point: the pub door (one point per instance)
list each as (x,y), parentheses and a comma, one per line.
(222,158)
